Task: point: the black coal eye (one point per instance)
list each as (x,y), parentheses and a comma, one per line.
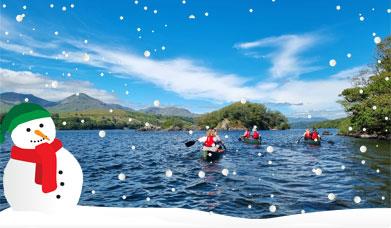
(40,125)
(28,129)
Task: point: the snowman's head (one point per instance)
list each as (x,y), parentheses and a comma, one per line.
(30,134)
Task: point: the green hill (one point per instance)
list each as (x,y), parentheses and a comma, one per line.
(239,116)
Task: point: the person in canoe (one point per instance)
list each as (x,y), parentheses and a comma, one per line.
(209,141)
(307,134)
(256,134)
(314,135)
(246,134)
(218,140)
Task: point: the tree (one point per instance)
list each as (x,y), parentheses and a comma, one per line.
(368,102)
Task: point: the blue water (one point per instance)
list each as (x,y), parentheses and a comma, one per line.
(288,183)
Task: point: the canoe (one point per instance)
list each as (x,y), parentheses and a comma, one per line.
(212,155)
(250,141)
(311,142)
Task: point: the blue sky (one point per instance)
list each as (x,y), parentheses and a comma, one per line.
(215,52)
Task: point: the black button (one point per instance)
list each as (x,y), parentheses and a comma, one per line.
(58,196)
(60,172)
(62,184)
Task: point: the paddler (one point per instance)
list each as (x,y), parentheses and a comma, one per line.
(256,134)
(246,134)
(314,135)
(307,134)
(209,141)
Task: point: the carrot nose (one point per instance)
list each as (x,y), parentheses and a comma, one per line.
(39,133)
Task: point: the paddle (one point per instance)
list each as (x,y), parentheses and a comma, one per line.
(190,143)
(298,140)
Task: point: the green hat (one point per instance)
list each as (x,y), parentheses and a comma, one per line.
(19,114)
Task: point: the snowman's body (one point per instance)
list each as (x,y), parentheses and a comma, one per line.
(20,189)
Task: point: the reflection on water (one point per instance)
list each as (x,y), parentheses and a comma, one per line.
(256,179)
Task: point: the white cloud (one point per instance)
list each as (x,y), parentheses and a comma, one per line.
(285,56)
(31,83)
(188,78)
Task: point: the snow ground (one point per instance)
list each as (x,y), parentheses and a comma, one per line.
(83,216)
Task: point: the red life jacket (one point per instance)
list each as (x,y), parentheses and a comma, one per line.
(209,141)
(315,135)
(255,135)
(307,135)
(246,134)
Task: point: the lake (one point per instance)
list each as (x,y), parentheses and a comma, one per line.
(256,180)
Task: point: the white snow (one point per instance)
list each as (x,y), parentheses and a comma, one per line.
(19,18)
(363,149)
(357,199)
(201,174)
(84,216)
(377,40)
(272,208)
(168,173)
(192,16)
(225,172)
(362,18)
(331,196)
(317,171)
(102,134)
(338,7)
(121,176)
(269,149)
(147,54)
(332,62)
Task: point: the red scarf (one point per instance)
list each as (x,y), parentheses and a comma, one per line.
(44,156)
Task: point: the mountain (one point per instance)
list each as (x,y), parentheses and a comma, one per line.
(240,116)
(73,103)
(169,111)
(82,102)
(300,122)
(11,98)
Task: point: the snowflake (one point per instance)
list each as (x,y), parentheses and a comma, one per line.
(192,17)
(331,196)
(357,199)
(332,62)
(147,54)
(102,133)
(121,176)
(19,18)
(168,173)
(377,40)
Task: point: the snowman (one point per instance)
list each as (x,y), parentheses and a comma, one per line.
(41,174)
